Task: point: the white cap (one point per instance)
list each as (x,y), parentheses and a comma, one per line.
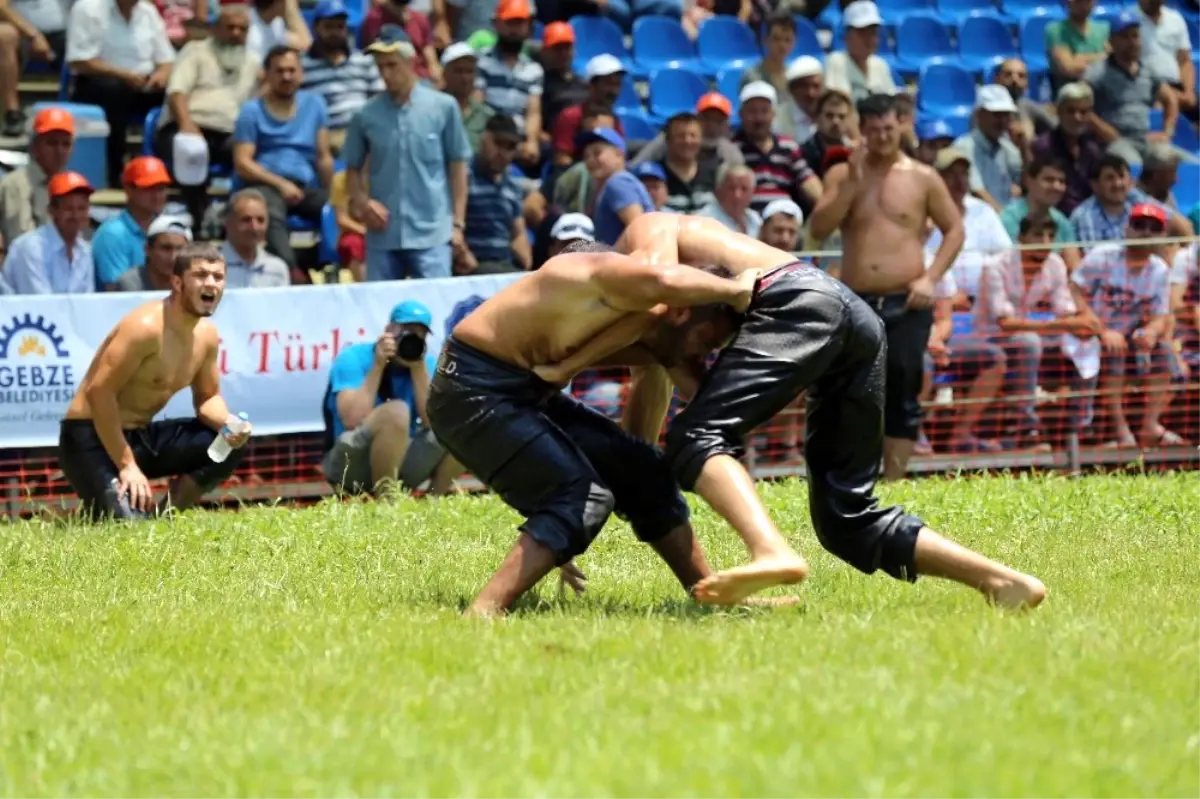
(861,14)
(759,90)
(169,224)
(573,227)
(190,153)
(456,51)
(803,67)
(996,99)
(603,65)
(783,207)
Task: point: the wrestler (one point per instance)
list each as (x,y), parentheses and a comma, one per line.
(108,447)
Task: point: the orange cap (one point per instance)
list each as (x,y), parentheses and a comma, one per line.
(146,172)
(557,33)
(66,183)
(507,10)
(50,120)
(714,100)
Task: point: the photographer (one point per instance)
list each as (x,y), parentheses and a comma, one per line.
(374,411)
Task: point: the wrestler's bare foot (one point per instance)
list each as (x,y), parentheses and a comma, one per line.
(1016,592)
(733,585)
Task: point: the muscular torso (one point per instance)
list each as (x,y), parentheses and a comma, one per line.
(170,366)
(883,233)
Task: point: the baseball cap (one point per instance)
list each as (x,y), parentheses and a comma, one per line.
(650,169)
(783,207)
(456,51)
(411,312)
(603,65)
(803,67)
(930,129)
(146,172)
(606,135)
(949,157)
(573,227)
(68,183)
(1149,211)
(1123,22)
(861,14)
(49,120)
(190,153)
(557,33)
(507,10)
(759,90)
(168,224)
(392,39)
(714,101)
(995,98)
(328,9)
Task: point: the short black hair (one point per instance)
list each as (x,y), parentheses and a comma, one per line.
(1044,162)
(682,118)
(1044,222)
(1109,161)
(196,251)
(277,52)
(876,105)
(780,19)
(833,96)
(502,125)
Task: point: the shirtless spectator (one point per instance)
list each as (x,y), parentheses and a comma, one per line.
(24,200)
(165,239)
(1127,288)
(881,200)
(109,448)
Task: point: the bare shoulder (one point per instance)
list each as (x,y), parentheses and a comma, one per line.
(207,333)
(921,170)
(143,325)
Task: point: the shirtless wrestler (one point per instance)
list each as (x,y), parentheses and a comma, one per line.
(562,466)
(108,447)
(881,200)
(802,331)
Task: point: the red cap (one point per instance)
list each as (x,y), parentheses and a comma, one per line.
(1149,211)
(146,172)
(834,155)
(508,10)
(714,100)
(68,183)
(50,120)
(557,33)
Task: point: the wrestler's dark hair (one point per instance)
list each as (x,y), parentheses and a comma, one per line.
(196,251)
(876,105)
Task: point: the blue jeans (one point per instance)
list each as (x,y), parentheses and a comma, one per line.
(401,264)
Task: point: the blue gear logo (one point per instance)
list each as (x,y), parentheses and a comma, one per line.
(462,309)
(38,332)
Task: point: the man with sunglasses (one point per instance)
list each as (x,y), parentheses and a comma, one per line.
(494,238)
(1126,288)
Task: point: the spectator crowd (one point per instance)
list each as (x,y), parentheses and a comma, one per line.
(465,137)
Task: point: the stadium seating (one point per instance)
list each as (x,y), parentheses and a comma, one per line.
(896,11)
(638,126)
(729,84)
(327,246)
(726,43)
(807,40)
(984,41)
(921,39)
(945,90)
(1033,41)
(628,100)
(960,10)
(673,91)
(597,35)
(1187,185)
(661,43)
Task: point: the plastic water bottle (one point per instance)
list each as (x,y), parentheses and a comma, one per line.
(219,449)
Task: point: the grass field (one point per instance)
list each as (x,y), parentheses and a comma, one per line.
(320,653)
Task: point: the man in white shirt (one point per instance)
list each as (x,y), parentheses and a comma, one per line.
(247,262)
(1167,52)
(54,258)
(796,116)
(857,70)
(121,56)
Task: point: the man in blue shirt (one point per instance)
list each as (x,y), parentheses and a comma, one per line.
(54,258)
(120,243)
(375,409)
(415,201)
(495,233)
(281,148)
(621,198)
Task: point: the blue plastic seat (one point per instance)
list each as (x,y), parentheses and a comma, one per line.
(1187,138)
(660,43)
(807,40)
(962,325)
(628,100)
(597,35)
(1015,12)
(1033,41)
(638,126)
(830,18)
(896,11)
(983,42)
(149,128)
(945,89)
(327,246)
(1187,185)
(726,43)
(960,10)
(674,91)
(729,85)
(921,39)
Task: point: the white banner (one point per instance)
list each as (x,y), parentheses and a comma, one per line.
(277,346)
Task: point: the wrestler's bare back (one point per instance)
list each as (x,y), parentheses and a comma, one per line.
(161,362)
(883,232)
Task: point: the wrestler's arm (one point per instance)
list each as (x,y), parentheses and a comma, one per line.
(945,215)
(653,237)
(632,284)
(210,406)
(701,240)
(130,344)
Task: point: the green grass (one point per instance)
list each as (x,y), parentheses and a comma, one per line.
(320,652)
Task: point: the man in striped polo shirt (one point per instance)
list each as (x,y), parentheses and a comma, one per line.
(343,76)
(494,238)
(780,171)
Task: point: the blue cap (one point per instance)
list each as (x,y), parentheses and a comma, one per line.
(606,135)
(1123,22)
(327,9)
(930,129)
(650,169)
(411,312)
(392,39)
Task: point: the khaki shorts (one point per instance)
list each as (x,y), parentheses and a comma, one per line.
(348,465)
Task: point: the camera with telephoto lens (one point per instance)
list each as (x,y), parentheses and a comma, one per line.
(410,346)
